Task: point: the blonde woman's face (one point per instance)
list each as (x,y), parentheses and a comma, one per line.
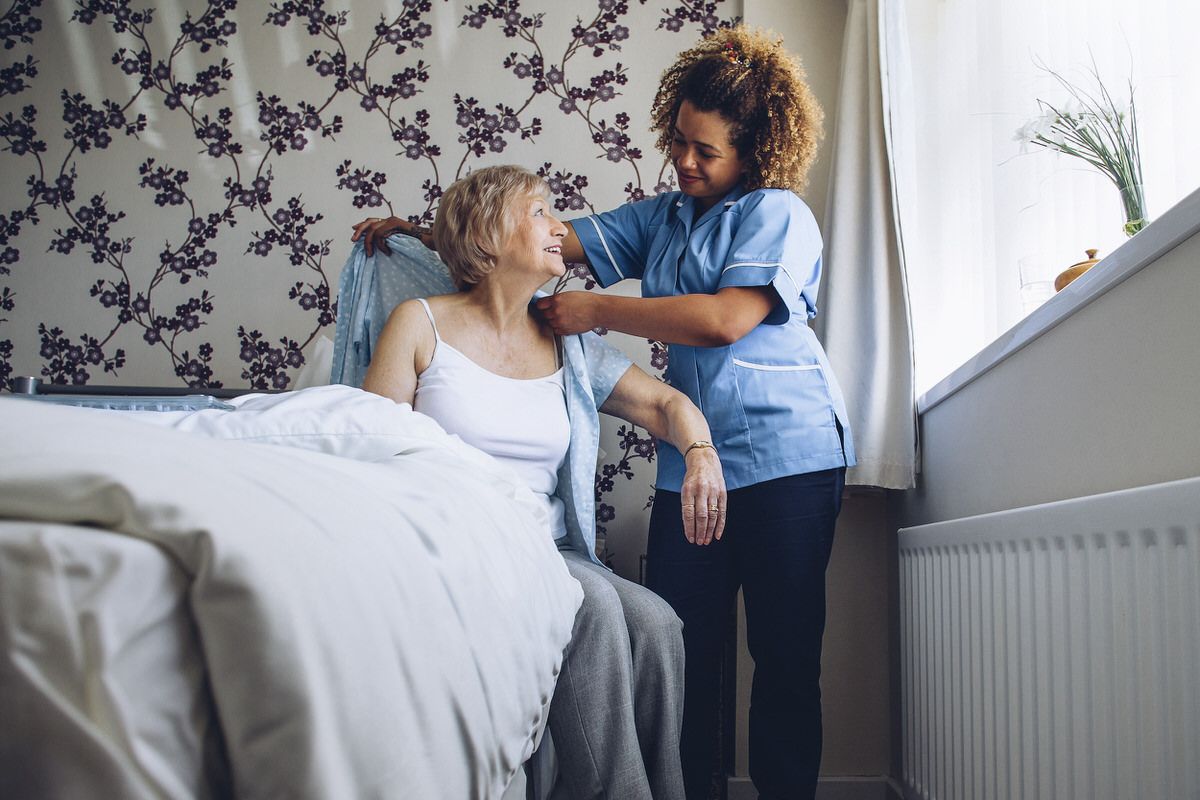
(536,241)
(706,162)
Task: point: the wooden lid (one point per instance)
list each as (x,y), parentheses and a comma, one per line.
(1075,270)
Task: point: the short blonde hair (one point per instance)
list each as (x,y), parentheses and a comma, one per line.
(747,77)
(476,218)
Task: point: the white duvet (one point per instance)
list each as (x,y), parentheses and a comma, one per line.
(383,622)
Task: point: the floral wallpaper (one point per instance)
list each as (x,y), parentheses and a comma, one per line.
(181,176)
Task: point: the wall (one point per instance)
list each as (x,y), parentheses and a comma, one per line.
(1105,400)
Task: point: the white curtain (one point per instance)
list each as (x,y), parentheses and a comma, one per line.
(865,324)
(983,217)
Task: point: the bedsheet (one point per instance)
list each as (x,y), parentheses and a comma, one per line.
(104,688)
(387,627)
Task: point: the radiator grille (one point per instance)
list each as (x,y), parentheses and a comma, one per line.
(1052,651)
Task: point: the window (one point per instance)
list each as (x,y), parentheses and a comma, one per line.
(978,208)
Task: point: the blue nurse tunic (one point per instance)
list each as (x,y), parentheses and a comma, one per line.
(771,399)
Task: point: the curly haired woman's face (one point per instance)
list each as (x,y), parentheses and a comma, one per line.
(706,162)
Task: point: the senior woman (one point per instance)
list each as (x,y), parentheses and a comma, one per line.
(488,369)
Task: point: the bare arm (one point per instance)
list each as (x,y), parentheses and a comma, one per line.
(401,354)
(375,230)
(572,248)
(700,320)
(668,414)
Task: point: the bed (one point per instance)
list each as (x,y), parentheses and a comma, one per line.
(317,595)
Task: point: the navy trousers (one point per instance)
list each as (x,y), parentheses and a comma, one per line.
(776,547)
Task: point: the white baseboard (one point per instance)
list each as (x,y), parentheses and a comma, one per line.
(850,787)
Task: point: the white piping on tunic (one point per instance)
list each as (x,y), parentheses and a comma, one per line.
(765,264)
(777,367)
(604,242)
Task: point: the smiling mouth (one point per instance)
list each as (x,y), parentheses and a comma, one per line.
(555,249)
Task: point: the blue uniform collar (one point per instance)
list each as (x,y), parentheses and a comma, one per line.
(685,206)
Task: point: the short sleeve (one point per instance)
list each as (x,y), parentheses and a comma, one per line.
(606,365)
(777,244)
(615,242)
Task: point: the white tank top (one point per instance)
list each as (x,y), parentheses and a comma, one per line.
(519,422)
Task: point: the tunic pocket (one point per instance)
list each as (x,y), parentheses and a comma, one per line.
(789,410)
(719,388)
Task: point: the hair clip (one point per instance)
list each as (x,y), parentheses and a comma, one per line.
(735,56)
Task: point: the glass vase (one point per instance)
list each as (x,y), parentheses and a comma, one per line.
(1134,202)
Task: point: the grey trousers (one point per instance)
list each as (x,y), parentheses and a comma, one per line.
(618,706)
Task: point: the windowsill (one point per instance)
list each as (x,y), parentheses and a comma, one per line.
(1157,238)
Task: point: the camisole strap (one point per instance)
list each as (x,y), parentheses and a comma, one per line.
(429,314)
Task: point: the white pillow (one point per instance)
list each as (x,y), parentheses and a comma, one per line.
(334,419)
(318,364)
(341,421)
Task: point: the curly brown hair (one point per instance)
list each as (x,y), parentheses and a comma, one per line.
(747,77)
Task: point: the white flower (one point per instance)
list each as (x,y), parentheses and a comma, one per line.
(1055,137)
(1025,133)
(1072,108)
(1034,130)
(1094,126)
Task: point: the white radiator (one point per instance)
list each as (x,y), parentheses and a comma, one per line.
(1053,651)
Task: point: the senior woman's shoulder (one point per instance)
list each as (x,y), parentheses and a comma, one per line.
(407,317)
(406,309)
(416,306)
